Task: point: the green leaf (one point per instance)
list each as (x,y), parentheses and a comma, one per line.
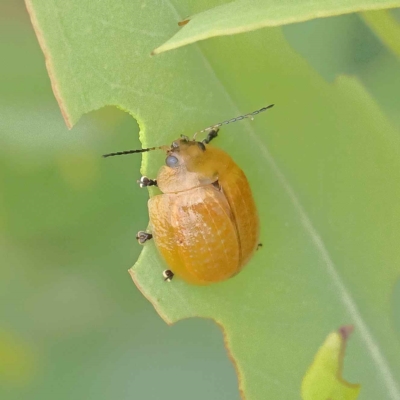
(324,166)
(248,15)
(323,379)
(386,27)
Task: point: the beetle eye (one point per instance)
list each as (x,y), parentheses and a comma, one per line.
(171,161)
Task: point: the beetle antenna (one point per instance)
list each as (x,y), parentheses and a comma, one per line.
(229,121)
(122,153)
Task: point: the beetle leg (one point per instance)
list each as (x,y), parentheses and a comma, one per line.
(201,146)
(168,275)
(142,237)
(259,246)
(144,181)
(211,135)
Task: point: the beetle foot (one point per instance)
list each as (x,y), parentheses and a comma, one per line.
(142,237)
(168,275)
(144,181)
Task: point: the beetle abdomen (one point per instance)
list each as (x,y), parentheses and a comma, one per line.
(196,234)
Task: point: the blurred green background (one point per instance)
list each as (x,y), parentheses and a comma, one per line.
(72,323)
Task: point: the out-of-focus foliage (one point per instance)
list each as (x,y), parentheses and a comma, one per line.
(386,27)
(69,224)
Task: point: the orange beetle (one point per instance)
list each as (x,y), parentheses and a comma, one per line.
(205,222)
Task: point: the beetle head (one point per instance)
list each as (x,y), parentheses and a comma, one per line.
(188,164)
(185,152)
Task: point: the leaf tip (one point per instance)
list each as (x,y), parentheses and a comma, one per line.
(324,377)
(345,331)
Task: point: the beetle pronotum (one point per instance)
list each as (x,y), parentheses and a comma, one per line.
(204,223)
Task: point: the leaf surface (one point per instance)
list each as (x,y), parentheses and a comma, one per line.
(248,15)
(324,165)
(386,28)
